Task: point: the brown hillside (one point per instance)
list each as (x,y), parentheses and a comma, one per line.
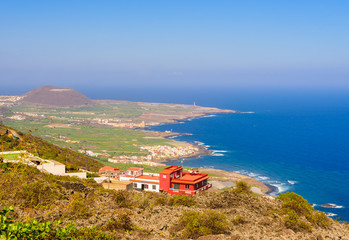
(56,96)
(228,215)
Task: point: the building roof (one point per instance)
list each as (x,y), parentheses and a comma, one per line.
(120,182)
(148,177)
(171,169)
(143,181)
(134,169)
(190,179)
(108,168)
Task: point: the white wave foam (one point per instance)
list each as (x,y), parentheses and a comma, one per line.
(219,151)
(282,187)
(263,177)
(328,214)
(292,182)
(330,205)
(207,146)
(199,143)
(217,154)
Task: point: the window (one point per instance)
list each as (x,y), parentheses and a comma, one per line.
(176,186)
(186,186)
(196,185)
(154,187)
(164,176)
(135,185)
(145,186)
(205,182)
(172,175)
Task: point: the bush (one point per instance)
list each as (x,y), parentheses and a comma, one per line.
(294,222)
(319,219)
(47,230)
(297,210)
(77,207)
(122,198)
(161,199)
(122,222)
(182,200)
(295,202)
(196,224)
(242,187)
(38,194)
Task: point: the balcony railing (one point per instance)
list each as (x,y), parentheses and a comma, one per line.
(187,191)
(203,188)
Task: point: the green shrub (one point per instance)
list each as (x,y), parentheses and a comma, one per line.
(37,194)
(295,202)
(182,200)
(297,210)
(122,222)
(242,187)
(196,224)
(47,230)
(122,198)
(78,206)
(293,221)
(319,219)
(161,199)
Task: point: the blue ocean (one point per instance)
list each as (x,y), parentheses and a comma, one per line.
(295,140)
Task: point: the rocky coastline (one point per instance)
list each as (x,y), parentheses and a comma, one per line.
(221,177)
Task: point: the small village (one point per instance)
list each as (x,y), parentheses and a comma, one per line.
(172,180)
(156,154)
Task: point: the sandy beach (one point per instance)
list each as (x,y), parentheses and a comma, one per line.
(225,179)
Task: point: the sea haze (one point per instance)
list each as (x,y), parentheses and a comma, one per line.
(294,140)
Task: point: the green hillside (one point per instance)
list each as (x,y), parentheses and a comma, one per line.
(12,140)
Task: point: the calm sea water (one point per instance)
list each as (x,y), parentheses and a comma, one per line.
(295,140)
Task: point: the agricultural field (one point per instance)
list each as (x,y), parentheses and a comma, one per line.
(106,128)
(111,140)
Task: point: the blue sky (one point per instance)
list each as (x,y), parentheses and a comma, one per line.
(175,43)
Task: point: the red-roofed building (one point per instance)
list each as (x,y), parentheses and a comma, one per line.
(109,172)
(172,180)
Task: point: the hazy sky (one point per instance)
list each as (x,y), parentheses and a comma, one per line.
(179,42)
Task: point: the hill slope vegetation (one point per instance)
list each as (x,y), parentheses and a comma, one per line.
(12,139)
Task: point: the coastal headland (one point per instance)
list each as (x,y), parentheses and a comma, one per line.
(111,131)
